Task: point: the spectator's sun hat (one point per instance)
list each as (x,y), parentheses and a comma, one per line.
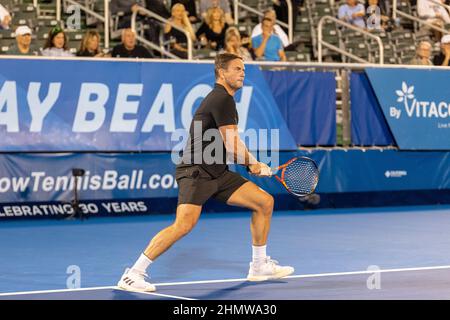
(23,30)
(445,39)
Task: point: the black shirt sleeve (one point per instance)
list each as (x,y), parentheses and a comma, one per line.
(224,111)
(438,60)
(115,52)
(202,30)
(144,53)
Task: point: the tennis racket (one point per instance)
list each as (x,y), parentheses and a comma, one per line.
(299,176)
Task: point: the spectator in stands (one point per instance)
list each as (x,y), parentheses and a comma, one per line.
(125,8)
(270,14)
(376,16)
(90,45)
(268,46)
(178,39)
(233,44)
(5,18)
(433,13)
(23,43)
(158,7)
(423,55)
(191,8)
(281,9)
(56,44)
(353,12)
(443,59)
(223,4)
(212,31)
(129,48)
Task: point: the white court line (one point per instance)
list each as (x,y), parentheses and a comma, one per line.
(91,289)
(163,295)
(54,291)
(310,275)
(231,280)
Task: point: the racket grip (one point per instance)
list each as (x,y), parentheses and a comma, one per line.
(271,172)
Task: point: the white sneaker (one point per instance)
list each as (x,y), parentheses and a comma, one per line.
(268,270)
(134,281)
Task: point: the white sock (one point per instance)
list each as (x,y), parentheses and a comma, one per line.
(141,264)
(259,254)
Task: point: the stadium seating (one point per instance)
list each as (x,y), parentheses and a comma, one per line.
(399,44)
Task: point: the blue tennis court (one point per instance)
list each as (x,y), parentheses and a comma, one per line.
(388,253)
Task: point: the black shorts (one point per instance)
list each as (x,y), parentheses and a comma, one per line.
(196,186)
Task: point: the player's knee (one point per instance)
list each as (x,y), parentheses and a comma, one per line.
(185,227)
(266,205)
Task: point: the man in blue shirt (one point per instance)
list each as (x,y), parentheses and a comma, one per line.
(268,46)
(353,13)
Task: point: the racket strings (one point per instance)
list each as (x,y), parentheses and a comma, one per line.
(301,176)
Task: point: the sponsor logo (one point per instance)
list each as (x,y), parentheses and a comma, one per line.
(395,173)
(414,107)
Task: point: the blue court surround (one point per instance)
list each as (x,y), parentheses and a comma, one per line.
(36,254)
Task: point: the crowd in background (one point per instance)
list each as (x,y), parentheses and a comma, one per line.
(375,16)
(210,25)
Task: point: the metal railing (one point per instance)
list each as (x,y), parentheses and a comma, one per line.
(396,12)
(104,18)
(289,25)
(339,50)
(440,4)
(147,42)
(149,13)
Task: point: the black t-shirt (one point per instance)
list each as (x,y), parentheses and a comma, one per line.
(139,51)
(216,110)
(85,53)
(439,59)
(218,38)
(180,37)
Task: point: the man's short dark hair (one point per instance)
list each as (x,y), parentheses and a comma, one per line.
(266,19)
(222,61)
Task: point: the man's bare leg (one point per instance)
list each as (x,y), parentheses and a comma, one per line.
(250,196)
(186,218)
(134,278)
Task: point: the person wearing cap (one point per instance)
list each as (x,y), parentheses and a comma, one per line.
(433,12)
(23,46)
(5,18)
(443,59)
(423,54)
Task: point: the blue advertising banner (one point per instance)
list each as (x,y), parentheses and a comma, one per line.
(307,101)
(116,179)
(76,105)
(416,104)
(369,127)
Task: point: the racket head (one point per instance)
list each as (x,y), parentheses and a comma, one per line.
(299,176)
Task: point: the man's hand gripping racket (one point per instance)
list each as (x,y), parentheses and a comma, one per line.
(299,176)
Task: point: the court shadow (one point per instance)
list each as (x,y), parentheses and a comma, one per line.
(236,292)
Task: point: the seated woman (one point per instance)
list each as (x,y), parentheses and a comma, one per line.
(5,18)
(212,31)
(56,44)
(233,44)
(191,8)
(90,46)
(180,19)
(376,17)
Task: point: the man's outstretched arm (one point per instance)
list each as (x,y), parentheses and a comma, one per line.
(241,155)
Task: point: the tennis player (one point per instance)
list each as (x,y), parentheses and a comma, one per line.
(199,178)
